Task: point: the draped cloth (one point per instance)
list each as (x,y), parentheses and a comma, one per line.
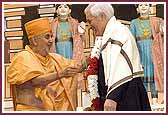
(120,71)
(59,95)
(156,49)
(157,52)
(77,41)
(144,43)
(78,51)
(116,68)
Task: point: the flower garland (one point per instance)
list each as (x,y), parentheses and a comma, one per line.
(92,75)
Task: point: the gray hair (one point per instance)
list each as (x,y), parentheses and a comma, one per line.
(97,9)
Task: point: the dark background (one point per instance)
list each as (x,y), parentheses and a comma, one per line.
(121,11)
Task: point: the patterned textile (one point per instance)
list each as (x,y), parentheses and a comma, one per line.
(64,40)
(77,44)
(144,44)
(158,52)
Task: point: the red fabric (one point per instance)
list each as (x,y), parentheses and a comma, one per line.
(96,104)
(93,66)
(92,70)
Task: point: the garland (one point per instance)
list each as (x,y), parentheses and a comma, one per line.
(92,75)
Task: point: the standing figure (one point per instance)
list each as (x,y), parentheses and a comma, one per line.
(146,31)
(115,64)
(67,40)
(65,34)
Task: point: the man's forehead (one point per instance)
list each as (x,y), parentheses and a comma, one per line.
(46,33)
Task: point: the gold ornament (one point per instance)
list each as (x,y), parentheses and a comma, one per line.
(146,32)
(64,35)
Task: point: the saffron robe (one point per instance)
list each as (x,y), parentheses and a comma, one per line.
(59,95)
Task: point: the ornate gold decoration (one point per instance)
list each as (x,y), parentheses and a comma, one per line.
(64,35)
(146,32)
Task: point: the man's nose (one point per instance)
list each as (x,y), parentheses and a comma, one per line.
(50,39)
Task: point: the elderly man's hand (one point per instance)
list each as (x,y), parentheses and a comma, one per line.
(69,71)
(110,105)
(84,63)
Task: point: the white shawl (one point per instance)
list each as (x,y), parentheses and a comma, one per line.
(116,68)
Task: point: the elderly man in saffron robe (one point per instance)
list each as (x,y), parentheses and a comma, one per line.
(42,79)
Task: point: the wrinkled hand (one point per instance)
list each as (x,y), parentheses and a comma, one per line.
(69,71)
(110,105)
(84,64)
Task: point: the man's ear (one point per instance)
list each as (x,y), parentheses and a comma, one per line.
(34,41)
(102,16)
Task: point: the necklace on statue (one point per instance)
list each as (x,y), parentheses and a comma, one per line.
(146,32)
(64,35)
